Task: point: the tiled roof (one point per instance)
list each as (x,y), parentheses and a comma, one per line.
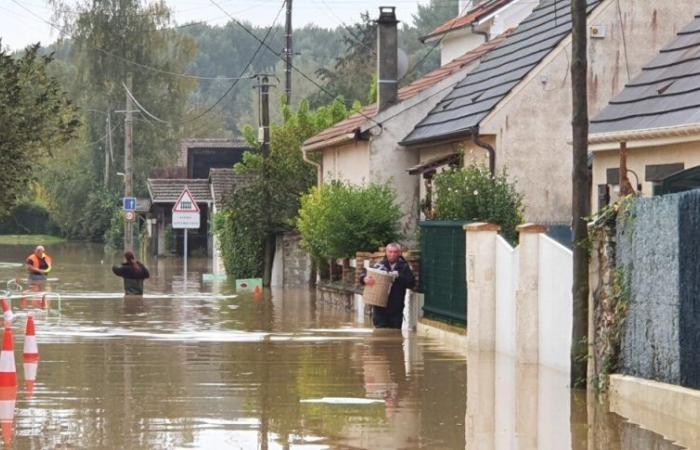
(223,182)
(665,94)
(353,123)
(473,98)
(473,15)
(168,191)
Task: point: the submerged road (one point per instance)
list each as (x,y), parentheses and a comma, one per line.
(197,366)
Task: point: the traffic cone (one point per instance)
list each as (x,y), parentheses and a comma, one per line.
(8,371)
(8,398)
(258,291)
(30,356)
(6,310)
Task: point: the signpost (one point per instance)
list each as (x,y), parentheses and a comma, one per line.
(129,203)
(185,216)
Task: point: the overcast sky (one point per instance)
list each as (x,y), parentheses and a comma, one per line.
(20,27)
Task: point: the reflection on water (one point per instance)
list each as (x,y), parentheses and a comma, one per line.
(192,365)
(529,407)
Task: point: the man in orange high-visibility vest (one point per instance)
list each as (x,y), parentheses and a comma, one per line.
(39,264)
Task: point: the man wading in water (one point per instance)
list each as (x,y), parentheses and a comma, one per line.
(38,264)
(395,264)
(133,273)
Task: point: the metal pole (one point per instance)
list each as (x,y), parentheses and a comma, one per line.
(128,167)
(184,284)
(288,54)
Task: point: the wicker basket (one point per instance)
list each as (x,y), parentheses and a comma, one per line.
(378,293)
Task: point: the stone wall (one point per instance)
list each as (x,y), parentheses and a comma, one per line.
(296,262)
(657,252)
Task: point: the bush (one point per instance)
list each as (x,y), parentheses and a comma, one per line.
(241,242)
(28,218)
(471,193)
(337,220)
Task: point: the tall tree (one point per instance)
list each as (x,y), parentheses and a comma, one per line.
(581,189)
(36,115)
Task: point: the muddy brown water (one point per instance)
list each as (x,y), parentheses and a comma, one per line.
(192,365)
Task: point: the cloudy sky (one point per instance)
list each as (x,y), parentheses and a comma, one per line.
(20,26)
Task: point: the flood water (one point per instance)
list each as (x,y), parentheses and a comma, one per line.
(192,365)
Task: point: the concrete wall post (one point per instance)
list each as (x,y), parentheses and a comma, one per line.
(481,285)
(527,295)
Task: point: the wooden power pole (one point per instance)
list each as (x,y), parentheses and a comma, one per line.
(269,251)
(128,166)
(581,189)
(288,54)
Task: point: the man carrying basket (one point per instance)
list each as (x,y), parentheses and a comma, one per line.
(395,265)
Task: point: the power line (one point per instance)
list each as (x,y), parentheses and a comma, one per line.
(121,58)
(323,89)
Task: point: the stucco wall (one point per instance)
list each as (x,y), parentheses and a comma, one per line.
(638,158)
(533,124)
(348,163)
(457,43)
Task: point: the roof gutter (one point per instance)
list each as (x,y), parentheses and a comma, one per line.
(645,134)
(491,151)
(342,139)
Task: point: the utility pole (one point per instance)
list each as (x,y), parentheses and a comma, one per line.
(288,54)
(108,149)
(128,166)
(580,189)
(269,252)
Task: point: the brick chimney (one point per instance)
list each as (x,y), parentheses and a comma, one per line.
(387,58)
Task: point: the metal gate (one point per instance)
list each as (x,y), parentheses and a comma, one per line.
(443,271)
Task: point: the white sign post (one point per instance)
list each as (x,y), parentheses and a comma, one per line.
(185,216)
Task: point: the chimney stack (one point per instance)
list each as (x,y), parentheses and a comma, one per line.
(387,58)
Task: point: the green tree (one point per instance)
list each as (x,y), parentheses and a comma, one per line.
(337,220)
(246,220)
(112,43)
(36,115)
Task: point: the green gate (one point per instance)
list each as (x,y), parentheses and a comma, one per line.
(443,271)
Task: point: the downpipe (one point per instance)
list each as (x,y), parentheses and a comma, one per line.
(491,151)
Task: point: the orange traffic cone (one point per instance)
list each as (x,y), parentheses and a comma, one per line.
(8,397)
(30,356)
(8,371)
(6,310)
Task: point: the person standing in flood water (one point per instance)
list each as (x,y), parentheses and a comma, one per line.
(395,264)
(133,272)
(39,264)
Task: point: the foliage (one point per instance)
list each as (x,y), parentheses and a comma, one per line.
(29,239)
(337,220)
(28,217)
(471,193)
(36,115)
(114,236)
(246,220)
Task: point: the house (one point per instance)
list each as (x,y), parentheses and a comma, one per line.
(514,110)
(197,160)
(657,118)
(365,147)
(479,21)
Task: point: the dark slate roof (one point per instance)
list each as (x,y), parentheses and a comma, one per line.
(665,94)
(499,72)
(168,191)
(223,182)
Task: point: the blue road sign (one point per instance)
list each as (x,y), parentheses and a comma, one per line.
(129,203)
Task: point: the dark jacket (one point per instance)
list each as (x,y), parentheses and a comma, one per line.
(397,294)
(133,280)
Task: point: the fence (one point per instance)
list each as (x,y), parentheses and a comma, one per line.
(520,300)
(443,270)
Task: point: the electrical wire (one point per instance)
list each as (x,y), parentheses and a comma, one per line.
(128,61)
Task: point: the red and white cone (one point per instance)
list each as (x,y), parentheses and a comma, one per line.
(30,356)
(8,371)
(6,310)
(8,398)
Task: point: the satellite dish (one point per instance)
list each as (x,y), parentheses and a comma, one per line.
(402,63)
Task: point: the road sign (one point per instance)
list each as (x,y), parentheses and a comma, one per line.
(186,211)
(129,203)
(130,216)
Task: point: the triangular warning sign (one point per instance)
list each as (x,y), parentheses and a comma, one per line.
(186,202)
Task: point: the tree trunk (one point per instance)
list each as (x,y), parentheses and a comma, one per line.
(580,192)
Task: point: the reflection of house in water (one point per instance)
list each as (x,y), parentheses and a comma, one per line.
(195,161)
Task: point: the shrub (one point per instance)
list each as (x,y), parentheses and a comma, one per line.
(337,220)
(471,193)
(241,242)
(28,217)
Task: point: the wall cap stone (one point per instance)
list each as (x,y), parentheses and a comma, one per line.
(531,228)
(481,226)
